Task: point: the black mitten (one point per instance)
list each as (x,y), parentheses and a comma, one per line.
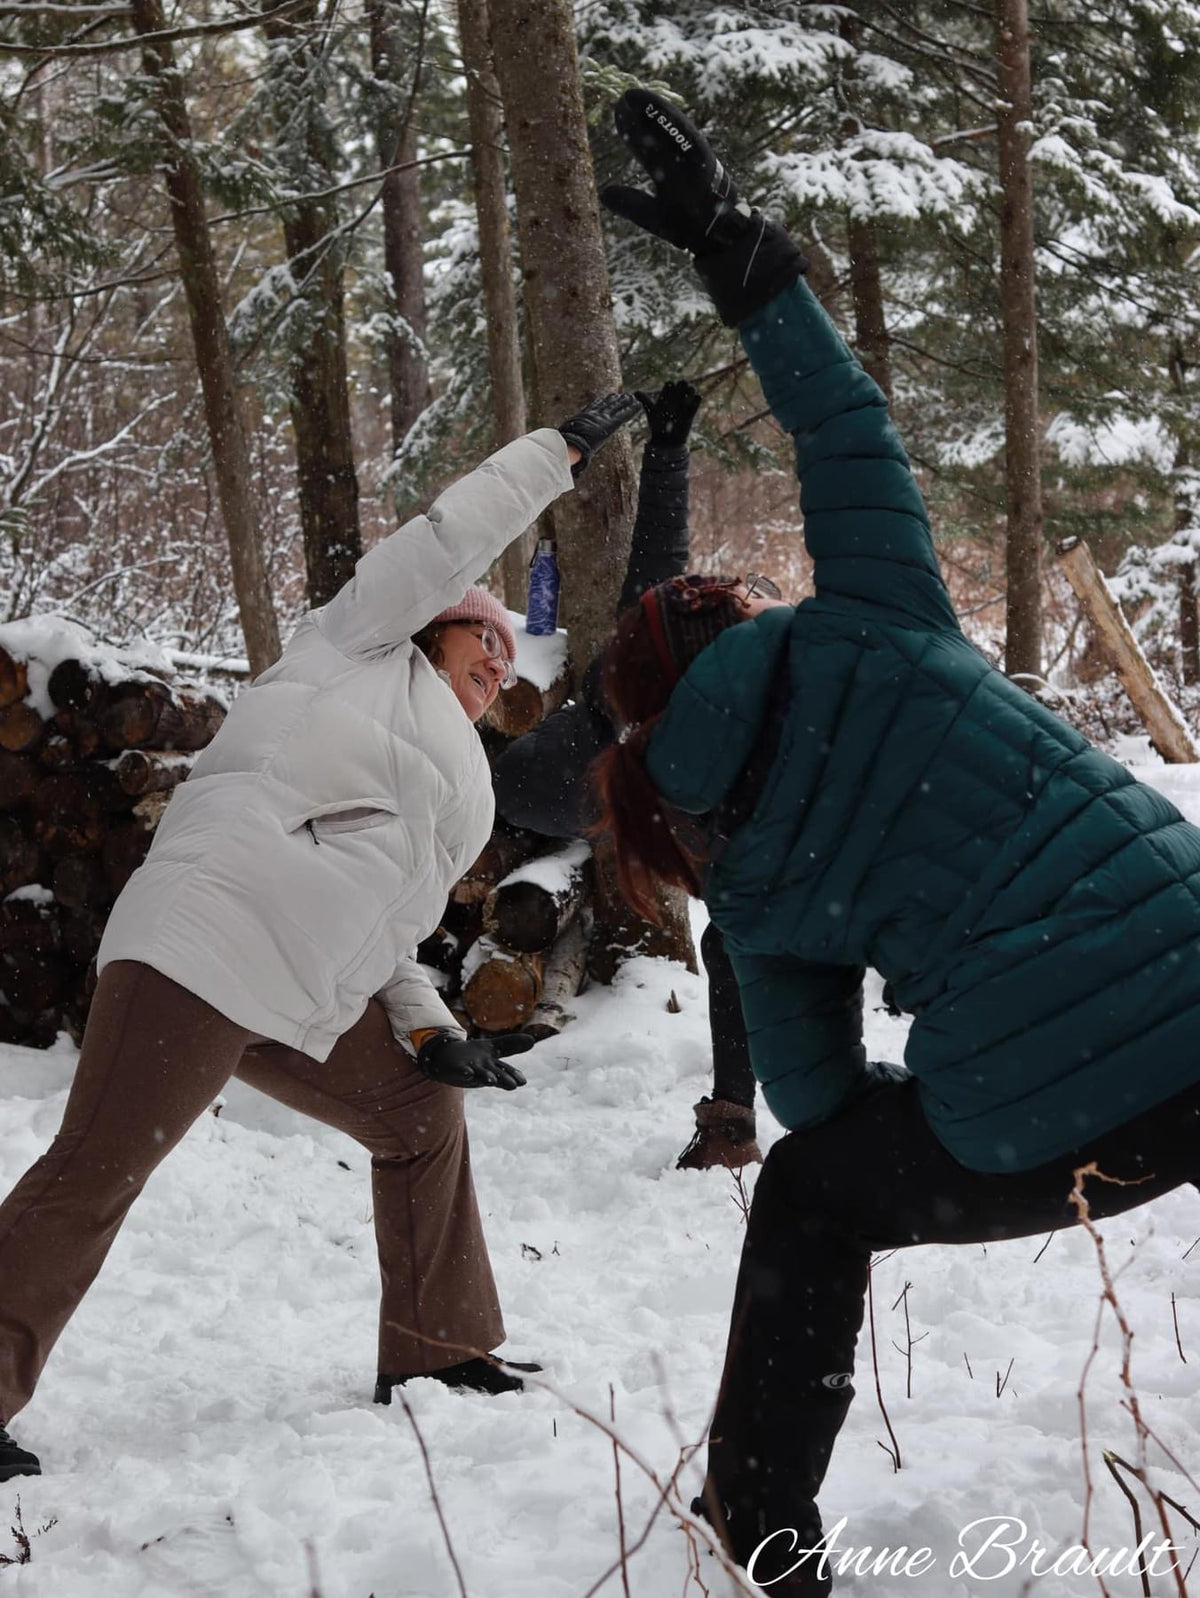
(473,1062)
(743,260)
(671,412)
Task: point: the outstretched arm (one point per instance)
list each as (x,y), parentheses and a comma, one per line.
(428,564)
(540,780)
(658,549)
(865,522)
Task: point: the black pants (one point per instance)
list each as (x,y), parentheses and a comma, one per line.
(733,1075)
(874,1177)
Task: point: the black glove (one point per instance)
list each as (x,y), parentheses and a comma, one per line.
(743,260)
(596,423)
(472,1062)
(671,412)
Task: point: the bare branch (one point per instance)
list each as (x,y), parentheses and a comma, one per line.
(433,1492)
(192,30)
(34,8)
(339,188)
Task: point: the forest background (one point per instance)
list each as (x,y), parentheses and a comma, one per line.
(270,278)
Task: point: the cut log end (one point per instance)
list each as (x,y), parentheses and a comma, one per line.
(504,990)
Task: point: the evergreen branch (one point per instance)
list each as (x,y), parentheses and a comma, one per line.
(945,54)
(191,30)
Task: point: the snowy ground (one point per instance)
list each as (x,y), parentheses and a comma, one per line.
(206,1424)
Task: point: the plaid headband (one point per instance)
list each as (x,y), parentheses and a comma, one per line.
(685,615)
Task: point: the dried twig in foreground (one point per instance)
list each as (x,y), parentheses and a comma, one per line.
(894,1451)
(433,1493)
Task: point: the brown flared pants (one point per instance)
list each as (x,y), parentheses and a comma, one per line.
(153,1058)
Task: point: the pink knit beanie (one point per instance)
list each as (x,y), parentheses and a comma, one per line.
(478,605)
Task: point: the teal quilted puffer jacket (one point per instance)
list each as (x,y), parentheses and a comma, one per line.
(1035,908)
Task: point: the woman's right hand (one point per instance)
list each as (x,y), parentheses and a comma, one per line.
(472,1062)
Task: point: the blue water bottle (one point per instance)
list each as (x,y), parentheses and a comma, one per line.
(541,612)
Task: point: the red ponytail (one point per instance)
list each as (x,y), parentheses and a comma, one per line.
(634,814)
(637,686)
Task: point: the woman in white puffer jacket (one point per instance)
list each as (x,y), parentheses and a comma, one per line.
(271,933)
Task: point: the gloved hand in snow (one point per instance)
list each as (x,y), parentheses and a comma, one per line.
(671,412)
(596,423)
(743,260)
(472,1062)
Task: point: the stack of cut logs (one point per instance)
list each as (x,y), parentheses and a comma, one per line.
(513,944)
(83,781)
(87,765)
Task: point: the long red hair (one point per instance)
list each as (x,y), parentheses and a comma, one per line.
(649,838)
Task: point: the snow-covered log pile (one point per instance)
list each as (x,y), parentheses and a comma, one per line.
(512,947)
(92,741)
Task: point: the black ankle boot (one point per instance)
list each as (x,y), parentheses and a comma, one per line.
(479,1375)
(16,1461)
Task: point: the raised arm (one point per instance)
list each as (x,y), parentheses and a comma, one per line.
(540,780)
(428,564)
(866,524)
(659,547)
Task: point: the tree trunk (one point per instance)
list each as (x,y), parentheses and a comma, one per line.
(568,304)
(866,287)
(1186,520)
(1189,631)
(319,401)
(319,405)
(396,141)
(1019,318)
(495,259)
(568,312)
(210,337)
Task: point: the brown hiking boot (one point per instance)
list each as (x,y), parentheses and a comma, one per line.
(725,1135)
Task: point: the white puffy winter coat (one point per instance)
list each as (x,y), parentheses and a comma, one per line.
(315,842)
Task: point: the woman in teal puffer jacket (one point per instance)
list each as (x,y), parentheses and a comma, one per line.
(849,783)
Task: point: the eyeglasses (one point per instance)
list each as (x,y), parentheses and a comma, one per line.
(760,587)
(493,648)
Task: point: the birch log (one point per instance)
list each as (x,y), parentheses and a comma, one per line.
(565,967)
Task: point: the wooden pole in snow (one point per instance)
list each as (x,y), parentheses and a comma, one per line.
(1163,722)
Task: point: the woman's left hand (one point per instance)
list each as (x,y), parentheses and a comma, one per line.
(596,423)
(670,412)
(473,1062)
